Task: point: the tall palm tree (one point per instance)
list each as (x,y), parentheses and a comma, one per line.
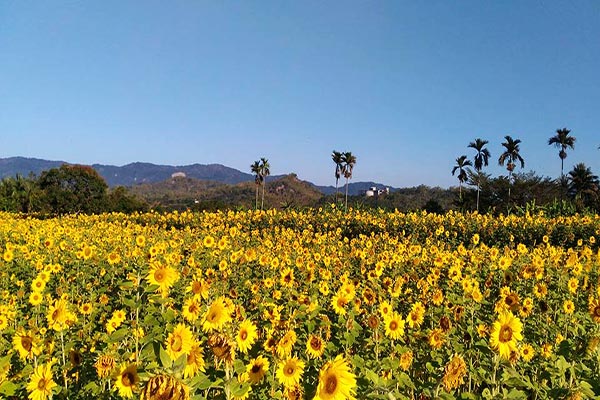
(510,156)
(265,170)
(348,161)
(255,168)
(481,160)
(461,166)
(562,140)
(583,184)
(337,158)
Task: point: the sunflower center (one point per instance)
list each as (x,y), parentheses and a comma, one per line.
(393,325)
(127,379)
(26,342)
(505,334)
(159,276)
(289,370)
(177,343)
(255,369)
(315,343)
(331,384)
(597,311)
(243,335)
(41,384)
(212,317)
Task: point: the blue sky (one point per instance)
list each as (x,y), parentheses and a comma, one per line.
(403,85)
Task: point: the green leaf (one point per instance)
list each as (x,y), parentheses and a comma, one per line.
(8,388)
(238,389)
(165,360)
(239,367)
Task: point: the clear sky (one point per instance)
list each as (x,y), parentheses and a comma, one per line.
(404,85)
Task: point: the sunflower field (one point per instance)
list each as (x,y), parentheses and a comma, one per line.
(316,304)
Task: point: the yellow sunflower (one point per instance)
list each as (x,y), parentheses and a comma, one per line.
(527,352)
(194,361)
(246,336)
(179,341)
(126,380)
(41,383)
(286,343)
(217,315)
(336,381)
(394,325)
(594,309)
(454,373)
(25,344)
(164,277)
(191,309)
(315,346)
(257,369)
(289,372)
(505,334)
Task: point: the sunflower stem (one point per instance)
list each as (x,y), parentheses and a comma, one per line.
(62,347)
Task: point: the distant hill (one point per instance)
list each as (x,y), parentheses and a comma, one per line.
(184,192)
(130,174)
(138,173)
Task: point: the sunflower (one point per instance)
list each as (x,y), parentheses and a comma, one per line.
(436,338)
(505,334)
(126,380)
(336,381)
(416,315)
(594,309)
(194,361)
(286,343)
(179,341)
(41,383)
(217,315)
(35,298)
(394,325)
(406,359)
(165,387)
(59,317)
(191,309)
(222,348)
(25,344)
(315,346)
(339,301)
(86,308)
(289,372)
(257,369)
(246,336)
(164,277)
(527,352)
(104,365)
(569,306)
(454,374)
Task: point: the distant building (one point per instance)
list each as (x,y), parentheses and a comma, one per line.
(178,175)
(373,191)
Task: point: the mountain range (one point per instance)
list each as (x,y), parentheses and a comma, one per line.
(138,173)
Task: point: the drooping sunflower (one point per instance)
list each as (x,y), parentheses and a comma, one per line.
(289,372)
(505,334)
(217,315)
(257,369)
(194,361)
(336,381)
(165,387)
(394,326)
(179,341)
(455,372)
(406,359)
(315,346)
(41,383)
(246,336)
(286,343)
(104,365)
(25,343)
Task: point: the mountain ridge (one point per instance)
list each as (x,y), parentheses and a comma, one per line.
(138,172)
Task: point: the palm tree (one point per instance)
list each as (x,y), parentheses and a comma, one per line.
(583,184)
(337,158)
(510,156)
(255,168)
(481,160)
(348,161)
(462,165)
(265,170)
(562,140)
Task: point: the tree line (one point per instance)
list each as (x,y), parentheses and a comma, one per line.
(70,189)
(579,188)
